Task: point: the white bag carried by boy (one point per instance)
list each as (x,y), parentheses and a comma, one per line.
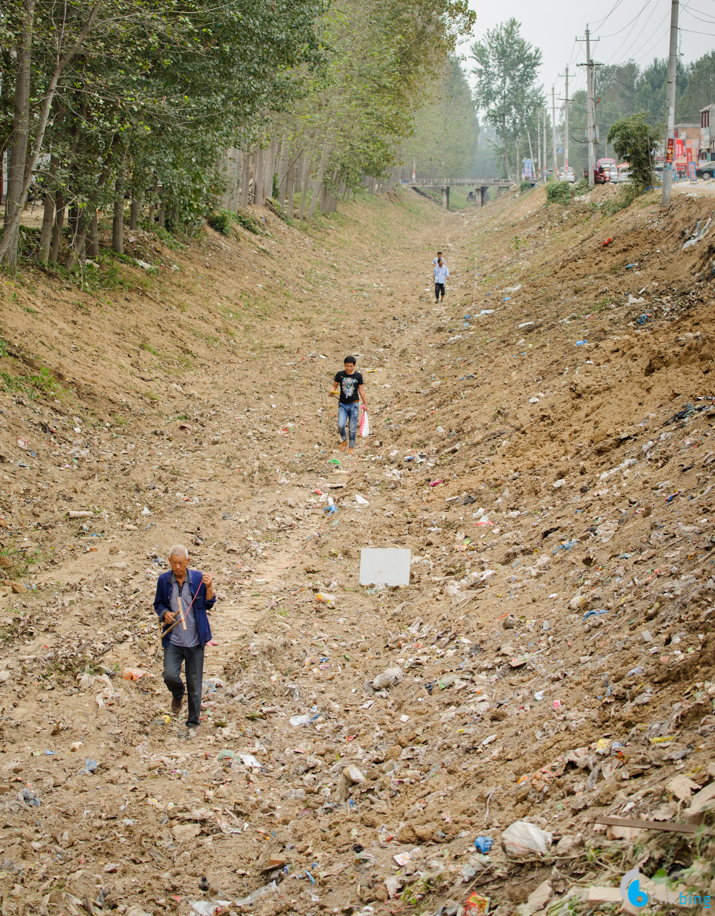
(364,425)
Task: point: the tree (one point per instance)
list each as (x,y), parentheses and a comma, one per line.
(700,90)
(445,138)
(634,140)
(122,92)
(652,89)
(506,70)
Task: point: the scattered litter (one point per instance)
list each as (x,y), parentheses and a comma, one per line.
(699,233)
(522,840)
(388,678)
(134,674)
(483,844)
(297,721)
(476,905)
(30,798)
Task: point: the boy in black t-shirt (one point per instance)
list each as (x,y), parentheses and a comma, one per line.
(348,384)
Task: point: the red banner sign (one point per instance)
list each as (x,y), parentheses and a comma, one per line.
(669,153)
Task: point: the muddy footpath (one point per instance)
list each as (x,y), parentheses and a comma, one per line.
(526,722)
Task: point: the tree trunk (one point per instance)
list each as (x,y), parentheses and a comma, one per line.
(269,169)
(318,181)
(20,135)
(60,209)
(245,179)
(78,221)
(134,212)
(93,237)
(283,169)
(236,182)
(289,191)
(161,213)
(303,184)
(258,178)
(152,211)
(48,215)
(118,221)
(12,224)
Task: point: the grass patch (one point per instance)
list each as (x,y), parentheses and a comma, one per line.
(625,197)
(223,219)
(558,193)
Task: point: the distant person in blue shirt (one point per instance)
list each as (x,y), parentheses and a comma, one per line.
(183,596)
(441,272)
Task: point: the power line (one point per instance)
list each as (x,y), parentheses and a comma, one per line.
(650,37)
(655,44)
(608,15)
(613,34)
(686,10)
(633,25)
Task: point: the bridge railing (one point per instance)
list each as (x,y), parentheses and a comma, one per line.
(457,182)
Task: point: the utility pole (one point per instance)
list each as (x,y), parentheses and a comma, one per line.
(553,128)
(538,142)
(670,140)
(590,104)
(566,122)
(546,167)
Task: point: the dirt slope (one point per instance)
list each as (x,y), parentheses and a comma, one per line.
(542,443)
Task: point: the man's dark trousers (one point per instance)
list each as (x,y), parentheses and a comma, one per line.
(193,659)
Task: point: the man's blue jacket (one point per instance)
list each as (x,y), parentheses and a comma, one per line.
(162,603)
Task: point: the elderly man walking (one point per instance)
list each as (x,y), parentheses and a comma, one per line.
(183,596)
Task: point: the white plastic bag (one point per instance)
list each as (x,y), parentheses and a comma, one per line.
(522,839)
(364,424)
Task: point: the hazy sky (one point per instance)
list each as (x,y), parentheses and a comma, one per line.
(637,29)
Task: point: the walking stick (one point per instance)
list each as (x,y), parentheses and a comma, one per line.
(181,613)
(181,620)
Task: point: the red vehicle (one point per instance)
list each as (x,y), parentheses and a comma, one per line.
(599,175)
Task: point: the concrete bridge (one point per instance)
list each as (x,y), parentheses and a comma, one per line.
(480,185)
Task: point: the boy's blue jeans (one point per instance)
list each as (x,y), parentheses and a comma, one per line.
(348,414)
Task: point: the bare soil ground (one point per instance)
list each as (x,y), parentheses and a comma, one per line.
(542,442)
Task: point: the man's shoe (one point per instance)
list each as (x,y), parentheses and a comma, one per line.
(176,706)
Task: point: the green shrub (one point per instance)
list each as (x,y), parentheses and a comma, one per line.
(525,186)
(625,197)
(221,222)
(558,193)
(581,186)
(247,221)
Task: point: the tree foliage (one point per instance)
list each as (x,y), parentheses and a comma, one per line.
(634,140)
(128,98)
(506,68)
(700,89)
(445,139)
